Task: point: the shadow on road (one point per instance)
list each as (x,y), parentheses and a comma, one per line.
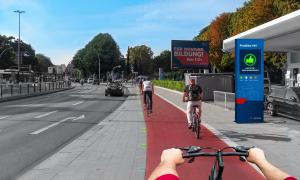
(236,136)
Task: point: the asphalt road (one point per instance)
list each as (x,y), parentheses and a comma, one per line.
(32,129)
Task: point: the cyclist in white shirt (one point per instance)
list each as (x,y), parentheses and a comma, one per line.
(148,89)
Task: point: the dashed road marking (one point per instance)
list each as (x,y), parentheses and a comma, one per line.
(77,103)
(46,114)
(3,117)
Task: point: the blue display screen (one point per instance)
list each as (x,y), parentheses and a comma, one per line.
(249,80)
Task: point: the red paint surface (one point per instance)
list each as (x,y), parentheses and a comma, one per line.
(240,100)
(167,128)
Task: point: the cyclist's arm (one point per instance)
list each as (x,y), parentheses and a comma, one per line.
(271,172)
(167,167)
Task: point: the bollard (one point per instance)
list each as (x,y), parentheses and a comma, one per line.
(1,89)
(11,90)
(20,89)
(40,84)
(27,88)
(34,87)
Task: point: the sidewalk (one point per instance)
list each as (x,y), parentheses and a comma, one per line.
(279,140)
(112,150)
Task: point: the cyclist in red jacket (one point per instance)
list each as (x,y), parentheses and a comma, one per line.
(170,158)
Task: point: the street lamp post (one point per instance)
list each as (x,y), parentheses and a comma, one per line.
(98,68)
(19,12)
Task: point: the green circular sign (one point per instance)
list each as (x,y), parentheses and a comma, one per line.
(250,59)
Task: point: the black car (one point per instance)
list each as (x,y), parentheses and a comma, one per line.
(114,89)
(284,101)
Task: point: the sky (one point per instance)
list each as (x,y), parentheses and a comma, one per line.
(59,28)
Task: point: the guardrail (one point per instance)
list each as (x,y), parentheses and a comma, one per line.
(9,90)
(224,99)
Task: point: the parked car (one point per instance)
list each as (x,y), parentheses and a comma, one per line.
(284,101)
(114,89)
(96,81)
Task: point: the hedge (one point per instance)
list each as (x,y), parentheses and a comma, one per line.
(175,85)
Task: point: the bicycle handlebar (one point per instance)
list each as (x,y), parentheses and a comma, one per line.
(194,151)
(215,154)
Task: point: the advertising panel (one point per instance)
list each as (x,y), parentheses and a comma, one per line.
(189,54)
(249,80)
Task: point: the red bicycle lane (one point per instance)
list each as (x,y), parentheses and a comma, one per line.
(167,128)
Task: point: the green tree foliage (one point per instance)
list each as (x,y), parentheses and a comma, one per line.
(253,13)
(43,62)
(102,47)
(76,73)
(141,59)
(163,60)
(9,50)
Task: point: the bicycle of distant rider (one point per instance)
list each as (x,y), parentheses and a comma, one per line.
(148,105)
(196,121)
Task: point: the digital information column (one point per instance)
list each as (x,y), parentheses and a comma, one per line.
(249,80)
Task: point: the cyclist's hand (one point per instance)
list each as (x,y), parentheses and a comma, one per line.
(256,156)
(173,156)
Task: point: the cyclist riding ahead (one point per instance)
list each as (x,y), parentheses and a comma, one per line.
(147,88)
(193,95)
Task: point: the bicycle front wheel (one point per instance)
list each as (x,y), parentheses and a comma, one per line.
(197,129)
(148,104)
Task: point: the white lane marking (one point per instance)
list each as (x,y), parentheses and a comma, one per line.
(27,105)
(50,126)
(78,118)
(77,103)
(3,117)
(46,114)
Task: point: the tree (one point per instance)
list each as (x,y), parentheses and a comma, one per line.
(76,73)
(43,62)
(253,13)
(141,58)
(163,60)
(102,47)
(8,58)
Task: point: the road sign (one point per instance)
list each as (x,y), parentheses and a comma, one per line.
(249,81)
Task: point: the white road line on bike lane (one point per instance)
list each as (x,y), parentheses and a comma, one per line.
(46,114)
(221,136)
(50,126)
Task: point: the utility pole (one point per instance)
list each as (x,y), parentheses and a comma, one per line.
(99,69)
(19,12)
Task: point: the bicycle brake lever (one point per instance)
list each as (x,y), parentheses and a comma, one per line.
(191,160)
(242,158)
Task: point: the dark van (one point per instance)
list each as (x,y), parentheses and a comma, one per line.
(284,101)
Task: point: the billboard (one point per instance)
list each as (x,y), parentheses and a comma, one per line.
(249,80)
(189,54)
